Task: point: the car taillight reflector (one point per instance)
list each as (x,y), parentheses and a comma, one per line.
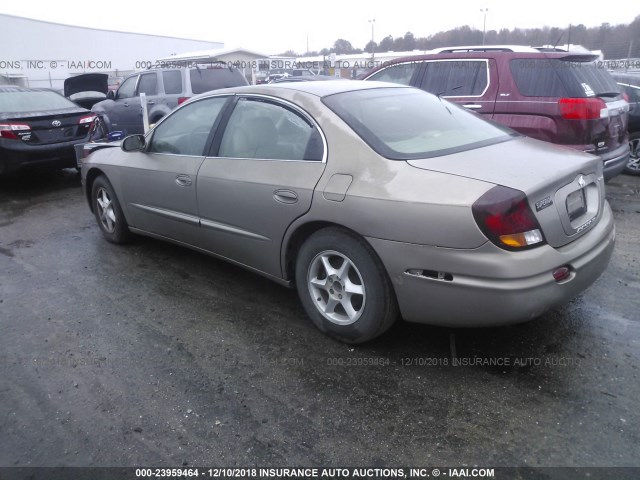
(182,100)
(7,130)
(583,108)
(87,119)
(505,217)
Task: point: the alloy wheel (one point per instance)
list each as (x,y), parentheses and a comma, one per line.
(336,287)
(105,210)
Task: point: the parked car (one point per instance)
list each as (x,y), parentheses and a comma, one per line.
(38,128)
(87,89)
(165,89)
(563,98)
(630,84)
(372,199)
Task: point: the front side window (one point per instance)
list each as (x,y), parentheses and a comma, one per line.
(186,131)
(148,84)
(457,78)
(128,87)
(400,73)
(261,129)
(406,123)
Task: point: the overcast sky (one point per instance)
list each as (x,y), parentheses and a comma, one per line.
(273,26)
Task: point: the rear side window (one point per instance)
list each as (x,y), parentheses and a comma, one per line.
(172,82)
(542,77)
(400,73)
(205,79)
(259,129)
(456,78)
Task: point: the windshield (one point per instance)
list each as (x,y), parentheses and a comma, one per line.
(32,101)
(407,123)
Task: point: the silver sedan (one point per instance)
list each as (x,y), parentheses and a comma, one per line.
(375,201)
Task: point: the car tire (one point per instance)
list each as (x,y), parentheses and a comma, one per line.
(633,165)
(344,287)
(107,211)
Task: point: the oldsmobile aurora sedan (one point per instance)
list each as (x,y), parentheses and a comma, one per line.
(376,201)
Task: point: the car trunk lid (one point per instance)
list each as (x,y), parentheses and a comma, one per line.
(54,127)
(564,188)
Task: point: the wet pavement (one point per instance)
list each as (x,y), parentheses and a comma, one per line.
(153,355)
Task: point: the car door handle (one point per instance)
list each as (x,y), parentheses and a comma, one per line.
(472,106)
(125,104)
(183,180)
(151,102)
(285,196)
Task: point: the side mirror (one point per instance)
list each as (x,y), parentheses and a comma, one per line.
(111,95)
(133,143)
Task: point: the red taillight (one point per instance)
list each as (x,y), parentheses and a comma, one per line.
(625,96)
(505,217)
(182,100)
(8,130)
(582,108)
(87,119)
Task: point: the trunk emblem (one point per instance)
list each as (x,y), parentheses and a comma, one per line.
(56,123)
(544,203)
(581,182)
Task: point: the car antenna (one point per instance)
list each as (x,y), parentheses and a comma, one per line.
(558,41)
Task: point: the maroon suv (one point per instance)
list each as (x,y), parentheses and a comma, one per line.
(564,98)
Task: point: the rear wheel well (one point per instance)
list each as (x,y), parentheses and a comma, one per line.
(299,236)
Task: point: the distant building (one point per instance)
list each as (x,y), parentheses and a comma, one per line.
(44,54)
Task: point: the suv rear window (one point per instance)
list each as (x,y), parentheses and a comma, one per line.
(205,79)
(541,77)
(406,123)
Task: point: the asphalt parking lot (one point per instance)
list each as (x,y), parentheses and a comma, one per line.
(154,355)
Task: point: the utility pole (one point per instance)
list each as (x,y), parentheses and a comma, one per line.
(484,24)
(373,45)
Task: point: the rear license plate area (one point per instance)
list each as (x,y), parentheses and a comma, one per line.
(576,204)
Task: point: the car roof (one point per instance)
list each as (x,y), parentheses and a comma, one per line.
(319,89)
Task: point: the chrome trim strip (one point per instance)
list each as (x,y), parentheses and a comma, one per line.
(235,230)
(180,217)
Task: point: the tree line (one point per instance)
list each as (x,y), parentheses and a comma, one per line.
(615,41)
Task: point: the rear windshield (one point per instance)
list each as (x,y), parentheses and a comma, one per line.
(205,79)
(541,77)
(33,101)
(407,123)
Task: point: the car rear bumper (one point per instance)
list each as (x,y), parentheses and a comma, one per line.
(615,161)
(16,155)
(488,286)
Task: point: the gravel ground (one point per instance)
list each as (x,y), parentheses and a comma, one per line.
(154,355)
